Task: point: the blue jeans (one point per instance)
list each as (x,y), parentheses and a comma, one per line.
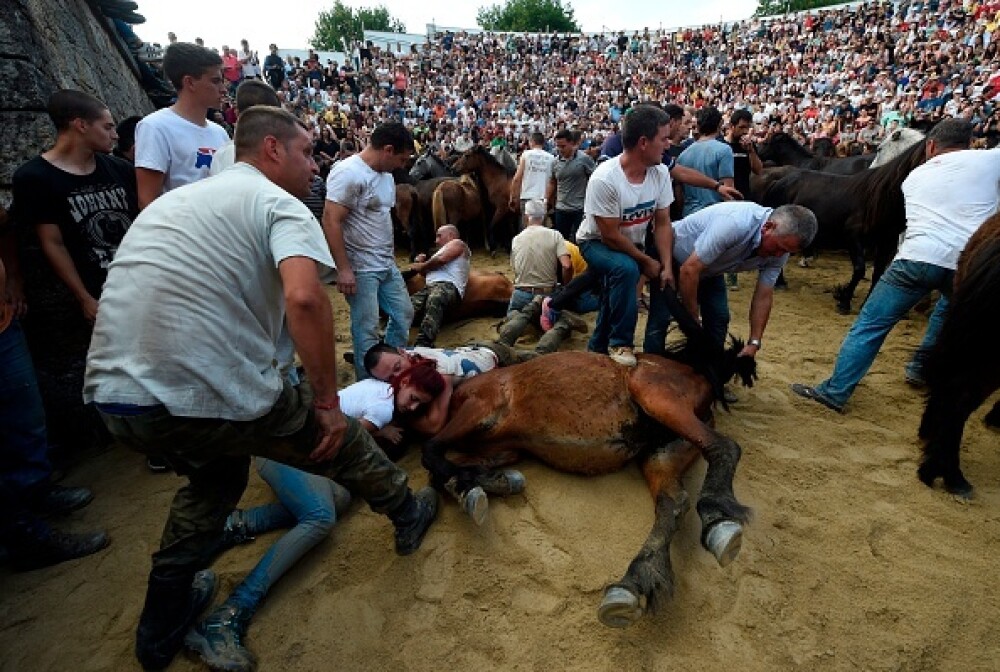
(897,291)
(518,300)
(378,289)
(619,309)
(24,446)
(306,502)
(713,303)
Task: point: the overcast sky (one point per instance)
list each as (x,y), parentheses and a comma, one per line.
(290,23)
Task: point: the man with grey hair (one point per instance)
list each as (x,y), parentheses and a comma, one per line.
(946,200)
(447,274)
(727,238)
(185,363)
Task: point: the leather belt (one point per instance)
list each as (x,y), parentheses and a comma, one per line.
(535,290)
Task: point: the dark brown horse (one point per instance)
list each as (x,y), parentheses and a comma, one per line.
(495,184)
(784,150)
(458,202)
(584,413)
(859,211)
(964,368)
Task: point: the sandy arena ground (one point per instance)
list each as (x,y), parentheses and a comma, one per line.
(850,563)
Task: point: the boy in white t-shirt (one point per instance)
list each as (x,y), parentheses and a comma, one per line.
(174,146)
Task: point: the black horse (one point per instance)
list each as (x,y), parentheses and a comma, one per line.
(859,211)
(964,368)
(784,150)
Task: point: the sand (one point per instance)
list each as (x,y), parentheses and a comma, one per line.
(849,564)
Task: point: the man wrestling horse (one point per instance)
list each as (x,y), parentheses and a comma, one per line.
(658,413)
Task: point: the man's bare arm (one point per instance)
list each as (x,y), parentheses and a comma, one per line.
(149,185)
(334,216)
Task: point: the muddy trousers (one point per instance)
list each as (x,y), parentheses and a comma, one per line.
(429,306)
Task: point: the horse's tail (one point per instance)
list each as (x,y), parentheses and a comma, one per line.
(708,357)
(438,210)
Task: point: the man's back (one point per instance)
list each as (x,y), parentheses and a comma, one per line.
(537,168)
(202,339)
(534,255)
(182,151)
(713,158)
(947,199)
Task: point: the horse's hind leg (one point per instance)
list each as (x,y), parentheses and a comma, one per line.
(845,293)
(942,427)
(649,578)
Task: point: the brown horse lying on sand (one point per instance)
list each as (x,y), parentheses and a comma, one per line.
(584,413)
(486,295)
(964,369)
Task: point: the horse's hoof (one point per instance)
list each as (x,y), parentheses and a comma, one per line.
(962,489)
(724,540)
(502,483)
(843,310)
(476,504)
(619,608)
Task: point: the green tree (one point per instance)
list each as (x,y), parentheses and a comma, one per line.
(338,26)
(775,7)
(528,16)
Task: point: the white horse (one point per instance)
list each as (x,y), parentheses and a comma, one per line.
(895,144)
(504,157)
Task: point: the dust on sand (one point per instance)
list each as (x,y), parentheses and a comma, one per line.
(849,564)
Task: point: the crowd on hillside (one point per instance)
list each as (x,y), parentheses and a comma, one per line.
(844,74)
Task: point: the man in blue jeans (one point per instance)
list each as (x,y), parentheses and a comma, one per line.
(946,200)
(26,487)
(625,196)
(359,194)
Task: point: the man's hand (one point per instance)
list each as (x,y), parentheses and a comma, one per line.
(420,258)
(651,268)
(330,427)
(346,282)
(391,433)
(88,305)
(748,351)
(667,277)
(729,193)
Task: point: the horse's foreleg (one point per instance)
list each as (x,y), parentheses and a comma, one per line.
(457,480)
(722,516)
(493,479)
(649,579)
(942,427)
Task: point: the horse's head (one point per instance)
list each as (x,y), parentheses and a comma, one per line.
(467,161)
(895,144)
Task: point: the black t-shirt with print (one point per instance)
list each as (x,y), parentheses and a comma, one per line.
(93,211)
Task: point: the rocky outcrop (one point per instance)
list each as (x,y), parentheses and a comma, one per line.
(47,45)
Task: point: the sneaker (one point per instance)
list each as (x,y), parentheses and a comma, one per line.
(732,281)
(58,500)
(549,316)
(412,524)
(624,355)
(729,395)
(914,376)
(218,640)
(811,393)
(46,547)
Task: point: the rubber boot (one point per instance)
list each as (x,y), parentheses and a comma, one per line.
(413,519)
(172,606)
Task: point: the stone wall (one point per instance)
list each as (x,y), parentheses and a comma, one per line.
(47,45)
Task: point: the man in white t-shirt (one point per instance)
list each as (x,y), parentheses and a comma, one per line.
(447,274)
(625,196)
(946,199)
(359,194)
(184,363)
(532,177)
(175,146)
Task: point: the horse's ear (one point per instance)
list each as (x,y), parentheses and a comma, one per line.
(896,134)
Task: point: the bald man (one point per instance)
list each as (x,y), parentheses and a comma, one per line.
(447,274)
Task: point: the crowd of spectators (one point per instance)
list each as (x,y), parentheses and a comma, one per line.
(846,74)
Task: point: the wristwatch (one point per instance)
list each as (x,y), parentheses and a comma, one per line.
(717,185)
(754,342)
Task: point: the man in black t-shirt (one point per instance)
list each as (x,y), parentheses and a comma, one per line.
(78,201)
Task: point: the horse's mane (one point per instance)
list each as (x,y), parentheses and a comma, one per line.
(710,359)
(485,153)
(782,139)
(879,190)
